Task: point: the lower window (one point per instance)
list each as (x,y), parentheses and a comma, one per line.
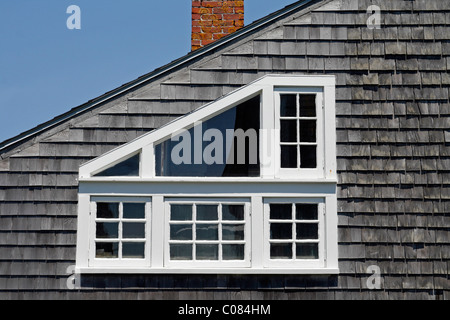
(189,234)
(120,231)
(207,233)
(294,232)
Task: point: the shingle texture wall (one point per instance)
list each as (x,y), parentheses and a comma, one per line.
(393,143)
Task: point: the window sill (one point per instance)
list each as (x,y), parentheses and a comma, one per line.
(207,180)
(241,271)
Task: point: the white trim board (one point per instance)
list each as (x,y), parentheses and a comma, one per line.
(236,271)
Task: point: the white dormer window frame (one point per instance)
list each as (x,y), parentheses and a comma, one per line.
(248,246)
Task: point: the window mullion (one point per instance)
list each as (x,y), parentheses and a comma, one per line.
(194,232)
(159,214)
(294,232)
(120,230)
(298,130)
(219,208)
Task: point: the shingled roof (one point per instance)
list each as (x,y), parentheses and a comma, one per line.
(393,142)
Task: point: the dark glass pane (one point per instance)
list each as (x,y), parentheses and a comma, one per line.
(181,232)
(281,231)
(107,250)
(180,252)
(307,251)
(107,230)
(289,157)
(237,155)
(133,250)
(162,159)
(133,230)
(307,105)
(207,252)
(233,212)
(308,157)
(307,231)
(233,252)
(288,105)
(281,251)
(232,232)
(207,213)
(207,232)
(127,168)
(281,211)
(308,131)
(242,159)
(107,210)
(181,212)
(288,131)
(134,210)
(306,211)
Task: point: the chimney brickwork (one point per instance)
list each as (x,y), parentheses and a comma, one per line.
(213,20)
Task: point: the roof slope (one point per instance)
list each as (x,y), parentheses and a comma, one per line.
(170,67)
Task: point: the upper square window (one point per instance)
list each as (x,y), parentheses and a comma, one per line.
(299,120)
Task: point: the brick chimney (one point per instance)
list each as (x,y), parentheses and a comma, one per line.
(212,20)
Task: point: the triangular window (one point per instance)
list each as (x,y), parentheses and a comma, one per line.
(126,168)
(226,145)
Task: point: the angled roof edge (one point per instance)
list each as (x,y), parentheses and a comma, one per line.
(10,143)
(209,110)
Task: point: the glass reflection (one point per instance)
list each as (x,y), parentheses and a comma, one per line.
(127,168)
(219,155)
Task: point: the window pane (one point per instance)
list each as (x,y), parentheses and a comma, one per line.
(134,210)
(307,251)
(233,232)
(235,156)
(180,252)
(308,156)
(107,210)
(133,230)
(233,212)
(288,131)
(180,212)
(107,250)
(107,230)
(307,105)
(233,251)
(307,231)
(281,251)
(181,232)
(133,250)
(288,105)
(281,231)
(207,252)
(306,211)
(207,232)
(207,213)
(308,131)
(127,168)
(281,211)
(289,157)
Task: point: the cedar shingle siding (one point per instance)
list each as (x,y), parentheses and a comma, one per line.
(393,144)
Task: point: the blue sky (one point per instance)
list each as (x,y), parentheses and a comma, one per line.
(47,69)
